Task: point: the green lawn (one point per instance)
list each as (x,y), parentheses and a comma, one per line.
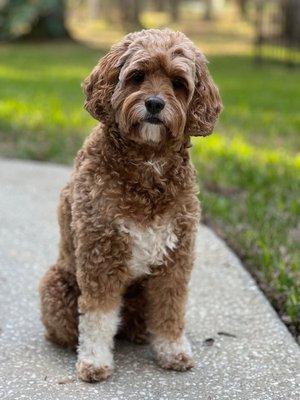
(249,170)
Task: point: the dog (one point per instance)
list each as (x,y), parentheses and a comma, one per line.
(129,215)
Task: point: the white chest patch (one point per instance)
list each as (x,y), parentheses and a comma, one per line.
(151,246)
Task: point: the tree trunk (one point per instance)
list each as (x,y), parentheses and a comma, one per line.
(106,8)
(174,5)
(242,4)
(45,20)
(136,14)
(130,14)
(94,7)
(209,10)
(159,5)
(50,25)
(291,21)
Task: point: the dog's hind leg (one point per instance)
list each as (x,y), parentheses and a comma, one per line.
(59,294)
(58,289)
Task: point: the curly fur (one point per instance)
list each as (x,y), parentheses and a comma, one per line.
(129,215)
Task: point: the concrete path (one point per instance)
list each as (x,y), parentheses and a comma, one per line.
(242,350)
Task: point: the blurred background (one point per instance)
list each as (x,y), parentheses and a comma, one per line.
(249,169)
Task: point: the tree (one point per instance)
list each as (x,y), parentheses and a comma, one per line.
(209,9)
(159,5)
(109,10)
(291,21)
(44,19)
(174,9)
(95,8)
(242,4)
(130,14)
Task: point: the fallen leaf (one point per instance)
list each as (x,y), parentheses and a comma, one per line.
(209,342)
(227,334)
(67,380)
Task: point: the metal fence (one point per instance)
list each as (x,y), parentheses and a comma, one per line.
(278,30)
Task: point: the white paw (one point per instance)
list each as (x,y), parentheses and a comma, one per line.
(91,373)
(176,362)
(176,355)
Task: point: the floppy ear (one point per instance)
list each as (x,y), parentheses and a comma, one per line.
(206,103)
(99,86)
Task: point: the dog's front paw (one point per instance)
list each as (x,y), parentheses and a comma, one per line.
(176,355)
(90,373)
(176,362)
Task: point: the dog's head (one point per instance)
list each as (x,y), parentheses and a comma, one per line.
(154,84)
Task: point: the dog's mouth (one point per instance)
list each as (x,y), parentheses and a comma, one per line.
(153,120)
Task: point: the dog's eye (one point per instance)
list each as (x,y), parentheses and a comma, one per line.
(178,83)
(137,77)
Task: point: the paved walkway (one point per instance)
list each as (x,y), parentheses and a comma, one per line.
(242,349)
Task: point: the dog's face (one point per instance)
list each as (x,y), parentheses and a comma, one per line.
(154,85)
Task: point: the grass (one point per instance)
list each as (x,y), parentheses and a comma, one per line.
(249,170)
(41,113)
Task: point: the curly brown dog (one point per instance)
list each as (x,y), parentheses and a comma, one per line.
(129,215)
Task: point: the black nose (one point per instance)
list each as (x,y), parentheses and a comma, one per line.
(154,104)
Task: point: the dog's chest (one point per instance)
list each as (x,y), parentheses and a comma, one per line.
(150,246)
